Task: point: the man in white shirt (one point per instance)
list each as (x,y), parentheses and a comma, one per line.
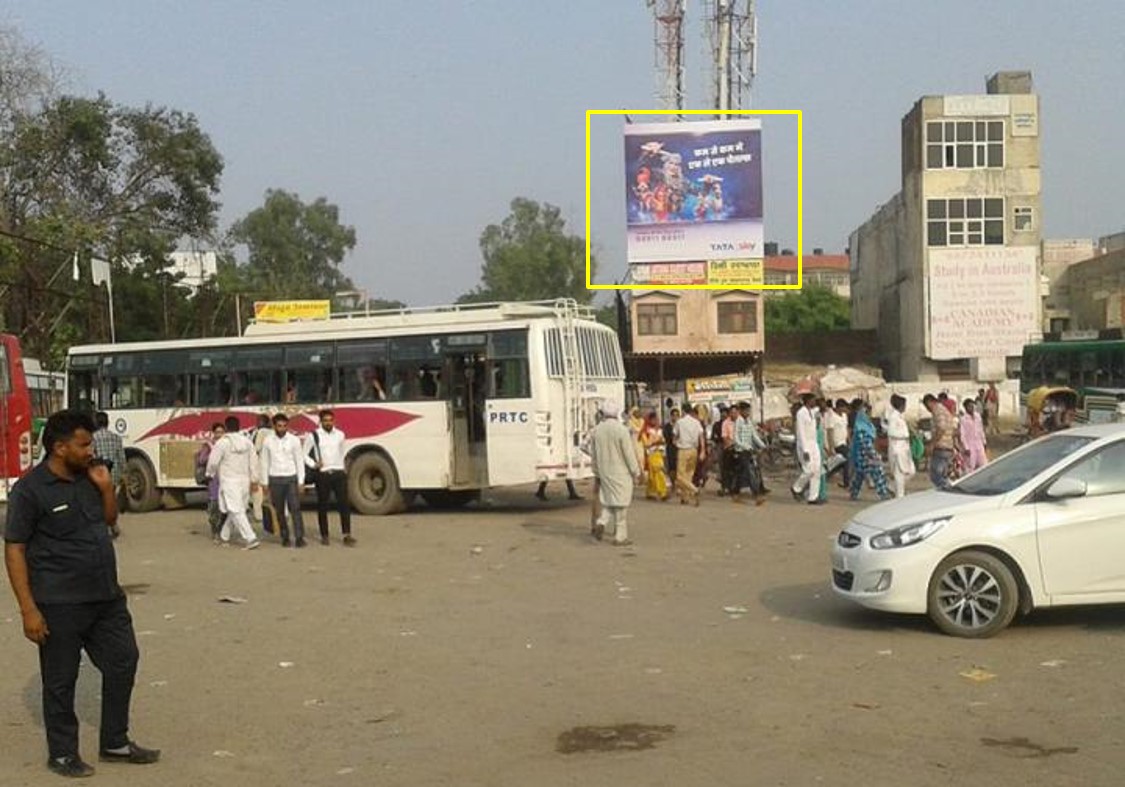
(283,469)
(327,455)
(898,444)
(691,448)
(836,437)
(233,460)
(808,452)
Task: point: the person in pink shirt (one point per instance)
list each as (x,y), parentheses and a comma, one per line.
(973,441)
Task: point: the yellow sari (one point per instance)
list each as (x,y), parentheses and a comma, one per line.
(653,441)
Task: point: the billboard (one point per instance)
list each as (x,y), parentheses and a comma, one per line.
(285,311)
(983,302)
(693,191)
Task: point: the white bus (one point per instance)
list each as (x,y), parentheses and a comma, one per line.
(440,402)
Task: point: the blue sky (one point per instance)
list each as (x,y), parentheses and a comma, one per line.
(422,120)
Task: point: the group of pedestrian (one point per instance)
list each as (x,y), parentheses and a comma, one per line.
(959,440)
(243,471)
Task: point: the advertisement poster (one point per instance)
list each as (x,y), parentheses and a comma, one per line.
(284,311)
(693,191)
(736,273)
(659,273)
(982,301)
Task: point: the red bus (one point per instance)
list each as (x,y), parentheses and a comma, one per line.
(15,415)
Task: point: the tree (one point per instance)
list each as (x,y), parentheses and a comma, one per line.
(294,249)
(529,256)
(813,309)
(116,182)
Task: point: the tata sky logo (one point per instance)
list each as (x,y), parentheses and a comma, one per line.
(742,245)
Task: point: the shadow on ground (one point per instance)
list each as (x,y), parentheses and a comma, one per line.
(815,602)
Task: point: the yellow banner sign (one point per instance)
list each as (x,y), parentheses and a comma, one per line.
(285,311)
(736,273)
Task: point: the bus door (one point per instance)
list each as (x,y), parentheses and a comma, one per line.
(465,371)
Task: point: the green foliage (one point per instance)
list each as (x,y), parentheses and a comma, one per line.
(294,249)
(529,256)
(813,309)
(116,182)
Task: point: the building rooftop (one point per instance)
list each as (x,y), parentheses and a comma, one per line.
(787,263)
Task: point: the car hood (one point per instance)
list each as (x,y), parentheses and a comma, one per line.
(931,504)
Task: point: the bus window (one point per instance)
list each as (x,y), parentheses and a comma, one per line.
(82,383)
(415,363)
(362,370)
(208,378)
(121,381)
(308,373)
(163,378)
(257,375)
(510,373)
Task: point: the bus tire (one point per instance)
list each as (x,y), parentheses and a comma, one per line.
(450,498)
(373,485)
(141,492)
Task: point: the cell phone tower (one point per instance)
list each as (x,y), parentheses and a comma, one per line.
(732,35)
(668,39)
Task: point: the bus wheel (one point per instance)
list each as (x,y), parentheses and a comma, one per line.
(373,485)
(141,492)
(450,498)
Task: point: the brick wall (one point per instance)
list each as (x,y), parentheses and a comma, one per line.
(841,348)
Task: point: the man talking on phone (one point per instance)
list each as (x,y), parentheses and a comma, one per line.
(63,571)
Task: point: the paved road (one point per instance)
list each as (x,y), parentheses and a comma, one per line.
(501,646)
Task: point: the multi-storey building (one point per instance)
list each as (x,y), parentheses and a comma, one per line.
(947,271)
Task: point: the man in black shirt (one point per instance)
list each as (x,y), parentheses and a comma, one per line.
(63,571)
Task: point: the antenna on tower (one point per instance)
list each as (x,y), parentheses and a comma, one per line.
(732,32)
(668,39)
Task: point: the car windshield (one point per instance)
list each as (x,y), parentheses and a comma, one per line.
(1017,468)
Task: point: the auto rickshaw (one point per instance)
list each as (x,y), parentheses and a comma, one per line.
(1050,409)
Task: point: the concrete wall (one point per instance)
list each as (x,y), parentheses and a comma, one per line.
(1057,256)
(697,322)
(841,348)
(1097,292)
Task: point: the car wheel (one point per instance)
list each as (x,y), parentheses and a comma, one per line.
(972,594)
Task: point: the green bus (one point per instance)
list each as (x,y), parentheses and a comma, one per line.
(1090,362)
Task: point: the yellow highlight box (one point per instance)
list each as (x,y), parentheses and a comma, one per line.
(800,189)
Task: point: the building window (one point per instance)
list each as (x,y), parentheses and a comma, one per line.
(976,221)
(656,319)
(738,317)
(965,144)
(1023,219)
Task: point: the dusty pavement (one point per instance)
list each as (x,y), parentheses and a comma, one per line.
(466,648)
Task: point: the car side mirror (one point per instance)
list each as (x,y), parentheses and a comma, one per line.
(1066,487)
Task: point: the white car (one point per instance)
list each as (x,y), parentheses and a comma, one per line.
(1042,526)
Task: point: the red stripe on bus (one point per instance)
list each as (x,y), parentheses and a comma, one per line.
(356,422)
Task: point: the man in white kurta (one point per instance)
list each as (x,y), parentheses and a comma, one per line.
(234,460)
(616,468)
(808,451)
(898,444)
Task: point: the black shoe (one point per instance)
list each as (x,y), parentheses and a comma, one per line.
(285,542)
(348,540)
(817,502)
(301,543)
(324,540)
(72,767)
(541,497)
(796,495)
(136,755)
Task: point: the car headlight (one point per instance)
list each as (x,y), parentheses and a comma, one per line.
(908,534)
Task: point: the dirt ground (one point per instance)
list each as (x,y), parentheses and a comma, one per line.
(502,646)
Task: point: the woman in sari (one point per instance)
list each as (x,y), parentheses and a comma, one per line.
(636,427)
(652,438)
(865,459)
